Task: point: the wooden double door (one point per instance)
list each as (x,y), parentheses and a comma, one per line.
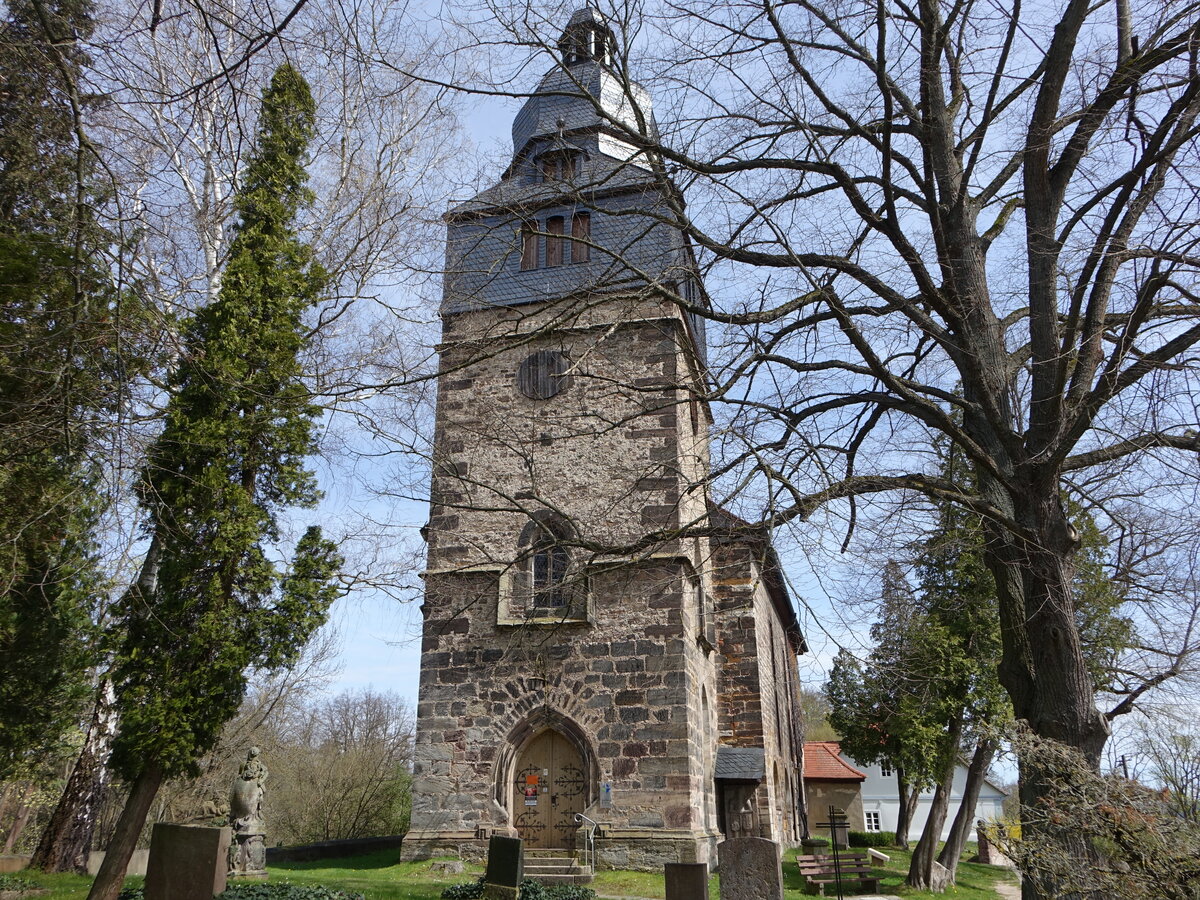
(550,787)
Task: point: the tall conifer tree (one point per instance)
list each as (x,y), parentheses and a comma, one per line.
(889,710)
(58,377)
(230,459)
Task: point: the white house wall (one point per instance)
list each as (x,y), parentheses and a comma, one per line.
(881,794)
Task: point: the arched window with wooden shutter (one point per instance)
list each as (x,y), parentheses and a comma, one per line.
(529,246)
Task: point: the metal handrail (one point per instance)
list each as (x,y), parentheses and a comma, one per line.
(589,847)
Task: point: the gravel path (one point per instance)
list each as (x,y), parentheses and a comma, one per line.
(1008,890)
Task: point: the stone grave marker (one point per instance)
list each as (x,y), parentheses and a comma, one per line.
(505,868)
(187,862)
(751,869)
(687,881)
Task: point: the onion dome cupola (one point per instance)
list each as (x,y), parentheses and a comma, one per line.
(579,212)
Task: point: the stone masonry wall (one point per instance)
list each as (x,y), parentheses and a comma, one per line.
(758,680)
(614,455)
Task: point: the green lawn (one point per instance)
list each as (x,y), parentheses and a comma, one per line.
(974,881)
(65,887)
(379,877)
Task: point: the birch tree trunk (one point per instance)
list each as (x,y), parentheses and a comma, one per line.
(67,838)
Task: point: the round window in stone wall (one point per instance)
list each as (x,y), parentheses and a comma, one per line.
(543,374)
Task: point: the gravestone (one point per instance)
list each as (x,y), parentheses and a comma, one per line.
(751,869)
(687,881)
(985,846)
(939,878)
(505,868)
(988,852)
(187,862)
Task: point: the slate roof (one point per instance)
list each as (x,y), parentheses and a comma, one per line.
(583,111)
(583,94)
(519,192)
(586,13)
(740,763)
(823,762)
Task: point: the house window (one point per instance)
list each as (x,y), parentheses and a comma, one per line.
(554,241)
(885,769)
(581,233)
(529,246)
(874,822)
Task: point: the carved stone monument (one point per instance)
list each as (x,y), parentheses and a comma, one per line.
(248,849)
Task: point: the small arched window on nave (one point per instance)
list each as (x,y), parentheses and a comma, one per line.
(546,563)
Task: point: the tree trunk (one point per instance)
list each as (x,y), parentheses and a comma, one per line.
(976,772)
(125,837)
(22,816)
(908,803)
(920,870)
(67,838)
(1042,665)
(6,801)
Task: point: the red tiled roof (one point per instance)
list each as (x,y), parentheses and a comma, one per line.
(823,762)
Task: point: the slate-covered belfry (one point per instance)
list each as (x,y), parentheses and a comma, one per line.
(584,655)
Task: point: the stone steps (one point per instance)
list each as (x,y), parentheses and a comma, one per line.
(556,867)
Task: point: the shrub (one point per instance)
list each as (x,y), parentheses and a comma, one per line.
(530,890)
(872,838)
(262,891)
(567,892)
(468,890)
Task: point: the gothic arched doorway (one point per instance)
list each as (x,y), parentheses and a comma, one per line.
(549,788)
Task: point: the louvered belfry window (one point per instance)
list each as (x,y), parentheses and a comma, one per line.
(529,246)
(543,374)
(581,232)
(554,241)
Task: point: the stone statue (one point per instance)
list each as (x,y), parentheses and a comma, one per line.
(248,849)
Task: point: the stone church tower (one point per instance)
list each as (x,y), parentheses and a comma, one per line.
(582,662)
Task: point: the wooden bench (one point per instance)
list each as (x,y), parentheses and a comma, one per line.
(854,866)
